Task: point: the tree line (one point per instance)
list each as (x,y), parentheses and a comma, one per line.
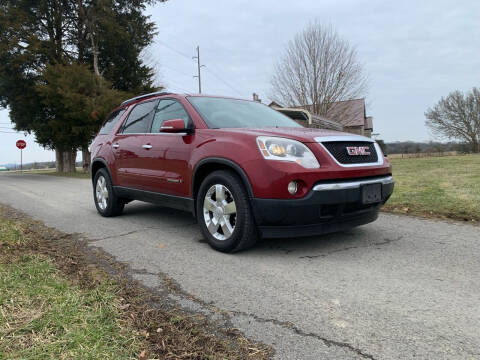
(413,147)
(64,64)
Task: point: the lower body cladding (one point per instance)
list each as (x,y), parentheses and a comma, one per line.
(328,207)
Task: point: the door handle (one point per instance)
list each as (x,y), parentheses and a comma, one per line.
(147,146)
(115,146)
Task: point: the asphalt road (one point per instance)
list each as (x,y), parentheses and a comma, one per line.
(400,288)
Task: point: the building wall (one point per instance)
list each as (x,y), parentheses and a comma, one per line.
(355,130)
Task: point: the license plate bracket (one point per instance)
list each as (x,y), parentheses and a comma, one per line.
(371,193)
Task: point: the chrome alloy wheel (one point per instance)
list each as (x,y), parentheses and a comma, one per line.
(219,212)
(101,193)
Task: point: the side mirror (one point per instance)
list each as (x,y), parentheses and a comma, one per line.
(174,126)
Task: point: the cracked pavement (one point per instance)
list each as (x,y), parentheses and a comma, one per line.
(400,288)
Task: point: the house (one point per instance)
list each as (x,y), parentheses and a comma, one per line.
(350,114)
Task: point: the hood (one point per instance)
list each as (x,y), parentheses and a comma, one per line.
(304,135)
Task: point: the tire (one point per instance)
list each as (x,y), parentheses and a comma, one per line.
(107,203)
(227,228)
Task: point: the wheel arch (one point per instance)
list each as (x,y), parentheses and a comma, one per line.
(98,164)
(209,165)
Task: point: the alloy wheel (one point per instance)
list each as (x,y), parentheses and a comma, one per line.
(220,212)
(101,193)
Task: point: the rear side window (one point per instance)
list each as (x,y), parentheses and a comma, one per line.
(111,121)
(168,110)
(140,118)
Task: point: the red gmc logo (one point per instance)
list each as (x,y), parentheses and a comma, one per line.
(358,150)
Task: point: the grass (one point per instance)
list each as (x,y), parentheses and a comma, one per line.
(60,299)
(44,316)
(78,174)
(445,187)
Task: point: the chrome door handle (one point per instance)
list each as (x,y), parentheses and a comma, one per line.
(146,146)
(115,146)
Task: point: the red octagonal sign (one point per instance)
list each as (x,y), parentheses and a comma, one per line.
(21,144)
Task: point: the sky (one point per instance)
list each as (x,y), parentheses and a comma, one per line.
(414,52)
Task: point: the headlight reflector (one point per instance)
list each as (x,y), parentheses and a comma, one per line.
(282,149)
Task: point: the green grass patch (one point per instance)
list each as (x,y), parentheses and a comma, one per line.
(447,187)
(78,174)
(44,316)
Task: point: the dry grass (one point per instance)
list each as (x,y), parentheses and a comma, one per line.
(44,316)
(62,300)
(445,187)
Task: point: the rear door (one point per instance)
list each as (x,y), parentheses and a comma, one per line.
(127,144)
(167,155)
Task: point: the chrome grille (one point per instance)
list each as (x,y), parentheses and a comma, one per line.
(338,149)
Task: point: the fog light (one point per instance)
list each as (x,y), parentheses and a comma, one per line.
(292,187)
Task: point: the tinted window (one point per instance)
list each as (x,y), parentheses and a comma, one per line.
(232,113)
(168,110)
(111,121)
(140,118)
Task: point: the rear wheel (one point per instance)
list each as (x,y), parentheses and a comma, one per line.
(224,213)
(106,202)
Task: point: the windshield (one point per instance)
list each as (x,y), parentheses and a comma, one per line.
(232,113)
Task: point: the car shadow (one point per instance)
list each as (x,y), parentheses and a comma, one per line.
(301,247)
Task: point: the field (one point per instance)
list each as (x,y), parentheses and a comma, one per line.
(445,187)
(78,174)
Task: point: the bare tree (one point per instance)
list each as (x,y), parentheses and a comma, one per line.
(457,117)
(318,68)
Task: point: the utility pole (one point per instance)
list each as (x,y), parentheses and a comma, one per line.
(198,67)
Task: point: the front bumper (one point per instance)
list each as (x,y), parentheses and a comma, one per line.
(329,207)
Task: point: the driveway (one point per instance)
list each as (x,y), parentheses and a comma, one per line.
(400,288)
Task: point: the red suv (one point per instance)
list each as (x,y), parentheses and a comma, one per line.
(241,168)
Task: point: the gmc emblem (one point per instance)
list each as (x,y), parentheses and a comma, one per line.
(358,150)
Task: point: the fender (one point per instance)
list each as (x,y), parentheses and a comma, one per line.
(223,161)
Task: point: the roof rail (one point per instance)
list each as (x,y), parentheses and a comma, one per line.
(144,96)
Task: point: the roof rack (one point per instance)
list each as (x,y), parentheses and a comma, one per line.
(144,96)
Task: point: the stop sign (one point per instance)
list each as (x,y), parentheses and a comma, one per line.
(21,144)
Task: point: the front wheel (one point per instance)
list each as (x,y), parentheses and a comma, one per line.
(224,213)
(106,201)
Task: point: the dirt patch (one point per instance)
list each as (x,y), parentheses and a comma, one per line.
(431,215)
(169,332)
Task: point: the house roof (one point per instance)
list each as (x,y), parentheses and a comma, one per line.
(348,112)
(325,123)
(274,103)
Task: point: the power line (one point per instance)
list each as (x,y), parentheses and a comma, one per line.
(175,51)
(198,65)
(223,81)
(178,71)
(178,87)
(9,132)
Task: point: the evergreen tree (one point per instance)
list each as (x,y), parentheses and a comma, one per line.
(44,42)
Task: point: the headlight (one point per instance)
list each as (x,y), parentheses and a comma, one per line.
(281,149)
